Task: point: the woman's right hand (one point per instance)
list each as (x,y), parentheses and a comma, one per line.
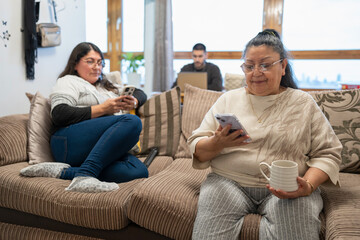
(208,148)
(111,106)
(225,139)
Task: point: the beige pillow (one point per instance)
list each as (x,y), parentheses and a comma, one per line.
(114,77)
(342,108)
(13,139)
(233,80)
(197,103)
(40,128)
(160,116)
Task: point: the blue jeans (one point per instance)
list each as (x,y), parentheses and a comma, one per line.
(99,148)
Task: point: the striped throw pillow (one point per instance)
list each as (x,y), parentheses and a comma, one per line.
(160,116)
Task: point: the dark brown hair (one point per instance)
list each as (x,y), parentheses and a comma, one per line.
(271,38)
(79,52)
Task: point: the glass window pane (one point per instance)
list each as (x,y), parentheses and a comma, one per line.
(321,24)
(221,26)
(133,25)
(106,69)
(96,23)
(326,74)
(317,74)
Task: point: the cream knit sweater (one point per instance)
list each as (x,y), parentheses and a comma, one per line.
(292,127)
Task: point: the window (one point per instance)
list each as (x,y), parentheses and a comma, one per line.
(321,24)
(322,35)
(96,23)
(133,32)
(326,74)
(328,25)
(133,26)
(224,26)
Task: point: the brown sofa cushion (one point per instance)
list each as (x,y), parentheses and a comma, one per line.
(196,104)
(13,139)
(160,117)
(166,203)
(39,130)
(11,231)
(342,208)
(47,197)
(342,108)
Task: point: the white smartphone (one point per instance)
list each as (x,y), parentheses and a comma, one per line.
(128,90)
(225,119)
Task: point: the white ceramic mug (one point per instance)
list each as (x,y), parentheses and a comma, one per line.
(283,174)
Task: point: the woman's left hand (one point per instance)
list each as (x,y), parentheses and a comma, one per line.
(303,190)
(128,102)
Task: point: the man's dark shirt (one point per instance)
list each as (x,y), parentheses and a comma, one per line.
(214,78)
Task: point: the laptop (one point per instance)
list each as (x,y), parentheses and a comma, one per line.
(196,79)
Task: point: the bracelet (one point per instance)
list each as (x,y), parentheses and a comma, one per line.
(312,186)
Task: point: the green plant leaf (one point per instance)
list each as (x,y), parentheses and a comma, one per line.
(133,61)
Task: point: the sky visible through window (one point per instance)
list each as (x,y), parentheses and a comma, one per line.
(323,25)
(228,26)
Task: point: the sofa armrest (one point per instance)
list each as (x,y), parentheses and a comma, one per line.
(342,207)
(13,138)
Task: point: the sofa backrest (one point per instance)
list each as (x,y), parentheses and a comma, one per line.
(196,104)
(160,116)
(13,139)
(26,137)
(342,109)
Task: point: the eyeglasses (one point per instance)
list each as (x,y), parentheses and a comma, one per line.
(92,63)
(247,68)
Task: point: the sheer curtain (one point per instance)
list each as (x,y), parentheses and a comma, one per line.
(159,45)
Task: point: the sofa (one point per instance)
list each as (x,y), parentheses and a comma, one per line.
(162,206)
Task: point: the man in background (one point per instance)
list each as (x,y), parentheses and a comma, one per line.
(199,55)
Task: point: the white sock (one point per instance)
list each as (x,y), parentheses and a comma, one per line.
(90,184)
(46,169)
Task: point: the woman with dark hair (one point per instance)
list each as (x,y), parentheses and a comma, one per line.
(94,132)
(282,123)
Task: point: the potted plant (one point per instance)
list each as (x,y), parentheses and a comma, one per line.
(133,63)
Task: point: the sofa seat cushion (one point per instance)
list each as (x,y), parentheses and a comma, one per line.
(166,203)
(46,197)
(158,164)
(12,231)
(342,208)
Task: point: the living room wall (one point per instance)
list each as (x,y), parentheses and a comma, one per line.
(50,61)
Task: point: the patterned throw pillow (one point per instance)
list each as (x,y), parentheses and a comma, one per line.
(197,103)
(40,128)
(342,108)
(160,116)
(13,139)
